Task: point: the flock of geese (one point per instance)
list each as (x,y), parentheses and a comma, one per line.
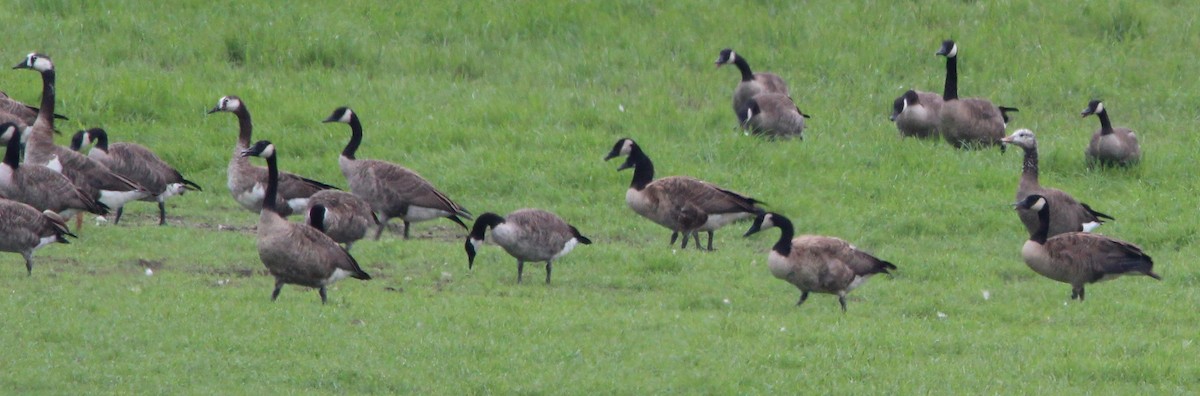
(42,184)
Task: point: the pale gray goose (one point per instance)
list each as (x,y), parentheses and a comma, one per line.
(392,190)
(24,229)
(247,182)
(817,264)
(917,114)
(137,163)
(527,235)
(343,216)
(751,85)
(1078,258)
(296,253)
(1110,146)
(966,122)
(1070,215)
(667,201)
(775,116)
(39,186)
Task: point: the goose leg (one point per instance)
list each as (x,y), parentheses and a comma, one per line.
(803,296)
(322,292)
(1077,292)
(117,220)
(382,225)
(842,301)
(520,269)
(710,237)
(28,262)
(78,221)
(278,287)
(674,235)
(548,272)
(696,237)
(162,213)
(682,244)
(407,225)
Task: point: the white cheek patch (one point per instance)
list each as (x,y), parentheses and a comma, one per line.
(732,56)
(269,151)
(627,147)
(953,51)
(1037,206)
(346,116)
(1099,107)
(41,63)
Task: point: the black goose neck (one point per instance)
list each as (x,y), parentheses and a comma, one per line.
(483,222)
(245,126)
(1043,229)
(272,185)
(643,169)
(744,67)
(12,150)
(786,231)
(951,90)
(355,137)
(101,139)
(1105,125)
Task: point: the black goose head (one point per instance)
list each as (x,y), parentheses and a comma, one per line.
(949,49)
(726,57)
(1093,107)
(624,146)
(341,114)
(263,148)
(1033,202)
(763,221)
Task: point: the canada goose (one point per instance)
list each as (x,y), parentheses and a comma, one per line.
(1110,146)
(527,235)
(661,200)
(1078,258)
(247,181)
(815,263)
(296,253)
(39,186)
(343,216)
(24,229)
(752,84)
(917,114)
(392,190)
(774,115)
(1069,215)
(137,163)
(966,122)
(92,177)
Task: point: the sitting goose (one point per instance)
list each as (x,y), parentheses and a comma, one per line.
(1110,146)
(775,116)
(751,85)
(1069,215)
(527,235)
(917,114)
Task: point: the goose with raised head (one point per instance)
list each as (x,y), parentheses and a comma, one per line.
(137,163)
(296,253)
(1110,146)
(39,186)
(752,84)
(527,235)
(1069,215)
(1078,258)
(24,229)
(917,114)
(247,182)
(661,200)
(392,190)
(775,116)
(817,264)
(343,216)
(966,122)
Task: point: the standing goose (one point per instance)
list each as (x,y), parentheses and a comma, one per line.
(673,201)
(1110,146)
(137,163)
(343,216)
(91,176)
(1069,215)
(816,263)
(39,186)
(966,122)
(774,115)
(247,181)
(24,229)
(527,235)
(752,84)
(392,190)
(917,114)
(296,253)
(1078,258)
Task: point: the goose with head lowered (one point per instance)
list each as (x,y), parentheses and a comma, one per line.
(527,235)
(343,216)
(774,116)
(677,202)
(296,253)
(967,122)
(392,190)
(137,163)
(24,229)
(39,186)
(752,84)
(917,114)
(1069,215)
(1110,146)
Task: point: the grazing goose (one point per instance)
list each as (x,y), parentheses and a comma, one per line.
(392,190)
(527,235)
(966,122)
(1069,215)
(816,263)
(1078,258)
(774,115)
(752,84)
(672,201)
(24,229)
(917,114)
(92,177)
(343,216)
(296,253)
(39,186)
(137,163)
(1110,146)
(247,181)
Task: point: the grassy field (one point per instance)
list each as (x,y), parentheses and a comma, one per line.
(509,105)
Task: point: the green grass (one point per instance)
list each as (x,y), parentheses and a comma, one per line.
(509,105)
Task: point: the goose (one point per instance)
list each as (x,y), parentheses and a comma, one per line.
(966,122)
(527,235)
(774,115)
(92,177)
(392,190)
(12,110)
(1070,215)
(917,114)
(247,182)
(668,200)
(39,186)
(815,263)
(24,229)
(137,163)
(1078,258)
(343,216)
(296,253)
(752,84)
(1110,146)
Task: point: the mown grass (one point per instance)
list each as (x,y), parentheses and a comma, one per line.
(508,105)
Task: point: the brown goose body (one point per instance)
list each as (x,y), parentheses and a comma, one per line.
(346,217)
(528,235)
(1110,146)
(137,163)
(39,186)
(967,122)
(917,114)
(24,229)
(1069,215)
(752,84)
(775,116)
